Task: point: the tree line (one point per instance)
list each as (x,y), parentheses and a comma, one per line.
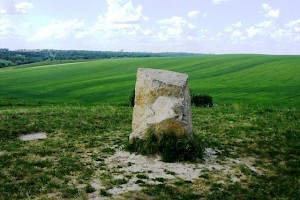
(20,57)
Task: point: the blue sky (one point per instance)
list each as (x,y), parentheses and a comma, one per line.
(202,26)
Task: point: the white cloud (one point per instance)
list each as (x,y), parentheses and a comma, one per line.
(121,19)
(193,14)
(6,27)
(281,34)
(238,24)
(233,27)
(148,32)
(235,32)
(270,12)
(175,21)
(294,25)
(204,33)
(265,24)
(219,34)
(23,7)
(3,11)
(294,29)
(238,35)
(263,28)
(266,6)
(123,12)
(176,28)
(59,30)
(9,7)
(253,31)
(274,13)
(219,1)
(228,29)
(259,32)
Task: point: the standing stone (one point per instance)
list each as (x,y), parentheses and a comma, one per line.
(162,104)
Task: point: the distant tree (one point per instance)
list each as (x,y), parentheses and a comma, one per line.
(2,65)
(19,57)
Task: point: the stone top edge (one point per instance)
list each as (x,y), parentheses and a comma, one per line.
(169,77)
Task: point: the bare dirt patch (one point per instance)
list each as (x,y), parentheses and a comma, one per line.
(33,136)
(152,171)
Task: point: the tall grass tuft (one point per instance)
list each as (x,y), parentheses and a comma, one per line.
(169,146)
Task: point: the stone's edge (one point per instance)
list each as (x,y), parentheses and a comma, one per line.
(159,70)
(188,111)
(182,78)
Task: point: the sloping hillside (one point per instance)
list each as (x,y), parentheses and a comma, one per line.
(249,79)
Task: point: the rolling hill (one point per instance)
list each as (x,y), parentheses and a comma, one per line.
(246,79)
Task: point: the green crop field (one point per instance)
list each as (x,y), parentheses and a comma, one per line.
(246,79)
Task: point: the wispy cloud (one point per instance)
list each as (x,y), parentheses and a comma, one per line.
(6,27)
(176,28)
(58,30)
(219,1)
(123,12)
(9,7)
(193,14)
(23,7)
(270,12)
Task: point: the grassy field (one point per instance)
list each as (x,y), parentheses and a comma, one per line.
(258,154)
(246,79)
(252,132)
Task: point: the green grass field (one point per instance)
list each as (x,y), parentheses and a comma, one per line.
(246,79)
(264,141)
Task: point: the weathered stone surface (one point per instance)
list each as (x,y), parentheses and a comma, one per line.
(162,103)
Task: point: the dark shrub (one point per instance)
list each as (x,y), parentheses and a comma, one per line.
(131,98)
(201,100)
